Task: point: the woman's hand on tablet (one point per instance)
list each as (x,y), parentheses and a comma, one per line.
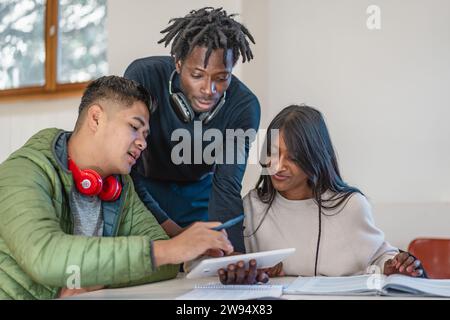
(236,273)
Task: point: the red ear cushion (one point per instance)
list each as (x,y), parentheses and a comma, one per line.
(111,189)
(89,183)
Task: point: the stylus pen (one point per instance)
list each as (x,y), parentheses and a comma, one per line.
(229,223)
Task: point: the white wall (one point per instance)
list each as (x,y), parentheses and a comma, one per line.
(134,26)
(384,93)
(20,120)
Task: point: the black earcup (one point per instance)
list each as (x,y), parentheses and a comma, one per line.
(211,114)
(182,107)
(184,110)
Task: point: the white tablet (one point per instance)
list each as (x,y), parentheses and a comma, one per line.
(264,259)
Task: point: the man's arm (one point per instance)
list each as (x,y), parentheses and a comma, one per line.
(135,71)
(169,226)
(145,196)
(30,226)
(225,199)
(195,240)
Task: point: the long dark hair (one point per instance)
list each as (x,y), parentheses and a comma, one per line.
(309,145)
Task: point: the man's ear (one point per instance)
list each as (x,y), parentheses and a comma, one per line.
(178,65)
(94,115)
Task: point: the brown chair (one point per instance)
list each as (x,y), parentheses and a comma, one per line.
(434,255)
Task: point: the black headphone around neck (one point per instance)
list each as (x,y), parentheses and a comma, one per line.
(183,109)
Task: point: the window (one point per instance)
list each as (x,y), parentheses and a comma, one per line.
(50,47)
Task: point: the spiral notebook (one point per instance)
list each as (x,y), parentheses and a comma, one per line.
(217,291)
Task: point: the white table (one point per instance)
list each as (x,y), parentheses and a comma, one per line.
(170,289)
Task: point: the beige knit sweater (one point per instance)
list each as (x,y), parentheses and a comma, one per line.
(350,241)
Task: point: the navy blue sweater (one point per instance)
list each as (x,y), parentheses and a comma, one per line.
(240,111)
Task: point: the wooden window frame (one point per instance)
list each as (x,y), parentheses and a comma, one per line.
(51,89)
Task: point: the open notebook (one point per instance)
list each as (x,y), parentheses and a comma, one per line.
(375,284)
(217,291)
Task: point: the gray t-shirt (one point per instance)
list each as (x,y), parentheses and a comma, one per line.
(87,214)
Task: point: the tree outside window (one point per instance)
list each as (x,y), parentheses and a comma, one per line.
(51,46)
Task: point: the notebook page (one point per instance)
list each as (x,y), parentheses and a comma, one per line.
(418,286)
(232,292)
(363,284)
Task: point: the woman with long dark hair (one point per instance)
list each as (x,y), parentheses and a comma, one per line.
(302,201)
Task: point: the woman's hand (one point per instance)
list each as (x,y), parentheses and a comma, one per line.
(404,263)
(237,274)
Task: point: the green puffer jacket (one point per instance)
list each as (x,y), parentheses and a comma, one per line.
(39,253)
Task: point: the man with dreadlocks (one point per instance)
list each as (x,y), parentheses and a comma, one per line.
(195,90)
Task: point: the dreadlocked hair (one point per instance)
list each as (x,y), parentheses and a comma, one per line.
(211,28)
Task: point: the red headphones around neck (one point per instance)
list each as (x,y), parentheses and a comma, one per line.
(90,183)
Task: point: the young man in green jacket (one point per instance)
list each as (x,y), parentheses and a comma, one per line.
(70,220)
